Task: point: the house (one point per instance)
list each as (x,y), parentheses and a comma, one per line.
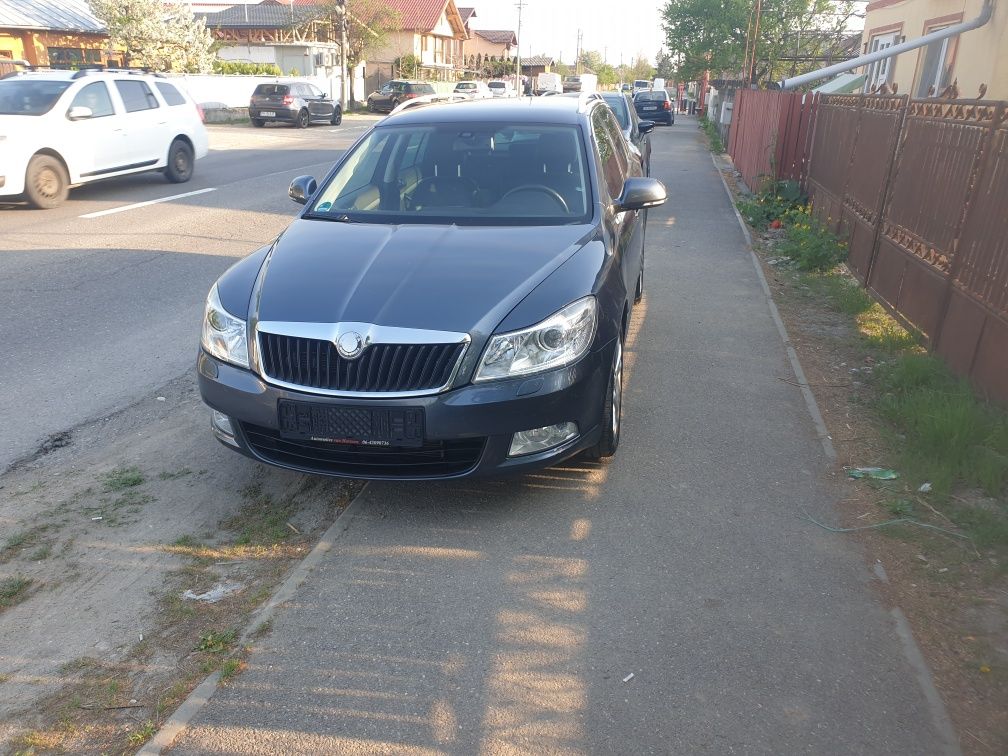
(291,35)
(971,59)
(56,33)
(432,32)
(537,64)
(467,14)
(495,43)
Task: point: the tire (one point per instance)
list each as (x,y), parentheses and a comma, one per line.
(46,182)
(395,104)
(612,410)
(258,122)
(180,162)
(337,116)
(303,120)
(370,105)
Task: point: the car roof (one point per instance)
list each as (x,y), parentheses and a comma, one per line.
(560,110)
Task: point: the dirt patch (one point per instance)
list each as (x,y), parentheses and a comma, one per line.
(955,595)
(104,534)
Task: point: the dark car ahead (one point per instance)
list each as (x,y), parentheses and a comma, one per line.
(387,99)
(299,103)
(452,300)
(655,105)
(635,129)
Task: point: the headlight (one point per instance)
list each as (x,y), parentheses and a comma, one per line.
(557,341)
(224,334)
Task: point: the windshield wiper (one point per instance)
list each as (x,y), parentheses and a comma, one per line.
(341,218)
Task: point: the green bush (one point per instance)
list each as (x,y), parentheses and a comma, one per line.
(716,145)
(811,245)
(772,204)
(244,68)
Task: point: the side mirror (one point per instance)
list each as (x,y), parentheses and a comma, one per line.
(645,127)
(302,188)
(639,193)
(79,113)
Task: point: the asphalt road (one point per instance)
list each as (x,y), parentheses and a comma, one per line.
(98,311)
(673,601)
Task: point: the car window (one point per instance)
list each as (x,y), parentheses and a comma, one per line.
(316,92)
(136,95)
(24,97)
(423,88)
(462,173)
(608,150)
(271,89)
(659,95)
(619,107)
(171,95)
(96,97)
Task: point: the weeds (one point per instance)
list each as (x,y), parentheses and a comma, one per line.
(141,736)
(716,145)
(13,590)
(230,668)
(216,642)
(123,477)
(809,243)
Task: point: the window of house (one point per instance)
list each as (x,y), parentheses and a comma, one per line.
(93,57)
(879,72)
(136,95)
(65,57)
(936,69)
(96,97)
(9,54)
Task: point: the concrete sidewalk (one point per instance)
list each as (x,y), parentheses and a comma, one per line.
(673,601)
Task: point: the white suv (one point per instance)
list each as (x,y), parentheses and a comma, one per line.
(473,90)
(63,128)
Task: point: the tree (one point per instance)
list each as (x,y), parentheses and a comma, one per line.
(641,68)
(160,34)
(715,35)
(665,66)
(368,25)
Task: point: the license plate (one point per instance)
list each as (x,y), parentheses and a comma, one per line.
(268,113)
(360,426)
(650,107)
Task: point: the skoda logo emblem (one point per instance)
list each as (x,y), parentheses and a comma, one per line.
(350,345)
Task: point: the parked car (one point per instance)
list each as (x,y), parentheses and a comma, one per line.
(474,90)
(655,105)
(298,103)
(580,83)
(641,85)
(386,99)
(627,88)
(424,100)
(59,129)
(502,88)
(452,300)
(548,83)
(635,131)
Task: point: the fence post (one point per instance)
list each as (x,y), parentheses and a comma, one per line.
(884,198)
(954,264)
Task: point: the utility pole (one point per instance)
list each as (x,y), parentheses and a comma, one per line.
(577,54)
(344,69)
(518,87)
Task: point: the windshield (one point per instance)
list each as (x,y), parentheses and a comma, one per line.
(617,103)
(463,173)
(35,98)
(465,85)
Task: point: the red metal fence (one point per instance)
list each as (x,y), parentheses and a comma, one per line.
(919,189)
(771,135)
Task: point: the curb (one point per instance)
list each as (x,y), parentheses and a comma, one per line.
(202,693)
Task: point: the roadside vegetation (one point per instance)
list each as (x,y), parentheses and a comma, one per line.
(948,445)
(713,138)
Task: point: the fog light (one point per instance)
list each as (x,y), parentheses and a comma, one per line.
(222,423)
(540,439)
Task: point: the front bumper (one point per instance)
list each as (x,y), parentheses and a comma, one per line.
(479,417)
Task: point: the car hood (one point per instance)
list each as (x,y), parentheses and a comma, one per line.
(444,278)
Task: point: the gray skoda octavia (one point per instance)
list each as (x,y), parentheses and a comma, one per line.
(452,300)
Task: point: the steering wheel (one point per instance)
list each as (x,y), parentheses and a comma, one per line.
(470,185)
(553,193)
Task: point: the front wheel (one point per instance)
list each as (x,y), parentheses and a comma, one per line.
(46,182)
(612,411)
(303,120)
(180,162)
(337,116)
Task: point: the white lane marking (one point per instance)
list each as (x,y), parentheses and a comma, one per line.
(135,205)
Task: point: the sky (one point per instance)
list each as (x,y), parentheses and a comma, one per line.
(551,26)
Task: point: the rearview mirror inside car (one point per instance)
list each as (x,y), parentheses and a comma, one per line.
(645,127)
(79,113)
(639,193)
(302,188)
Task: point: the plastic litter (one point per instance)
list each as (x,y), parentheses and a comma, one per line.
(875,473)
(628,678)
(96,519)
(925,488)
(215,594)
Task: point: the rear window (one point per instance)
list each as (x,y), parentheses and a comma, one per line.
(272,89)
(465,85)
(23,97)
(659,95)
(641,83)
(171,95)
(420,88)
(496,85)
